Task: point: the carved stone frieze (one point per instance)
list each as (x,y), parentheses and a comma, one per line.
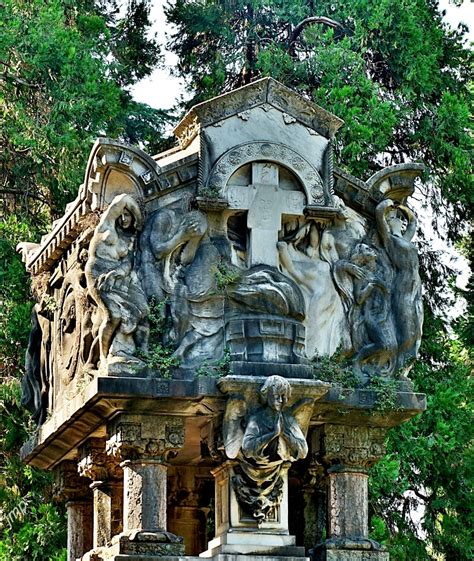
(271,152)
(68,485)
(149,274)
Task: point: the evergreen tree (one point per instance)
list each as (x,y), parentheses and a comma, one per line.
(66,67)
(400,79)
(390,68)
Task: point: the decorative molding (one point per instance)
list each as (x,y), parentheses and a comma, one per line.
(278,153)
(352,447)
(68,485)
(146,437)
(95,463)
(261,93)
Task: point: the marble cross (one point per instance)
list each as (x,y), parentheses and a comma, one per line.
(266,202)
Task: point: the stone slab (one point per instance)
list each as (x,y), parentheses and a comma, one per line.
(351,555)
(85,414)
(249,551)
(253,538)
(220,557)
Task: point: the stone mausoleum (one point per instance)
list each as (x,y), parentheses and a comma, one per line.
(212,332)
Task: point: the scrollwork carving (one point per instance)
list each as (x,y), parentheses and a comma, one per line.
(273,152)
(357,447)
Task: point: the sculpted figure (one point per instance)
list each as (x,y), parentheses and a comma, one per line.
(178,263)
(337,242)
(326,325)
(373,333)
(396,226)
(35,383)
(199,331)
(113,283)
(265,441)
(168,242)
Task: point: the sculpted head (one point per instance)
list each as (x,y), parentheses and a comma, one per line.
(276,392)
(363,254)
(126,219)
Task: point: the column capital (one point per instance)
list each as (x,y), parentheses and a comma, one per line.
(348,447)
(145,437)
(68,485)
(95,463)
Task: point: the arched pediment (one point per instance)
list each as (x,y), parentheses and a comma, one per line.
(115,168)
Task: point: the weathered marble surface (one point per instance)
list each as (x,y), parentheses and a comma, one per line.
(245,253)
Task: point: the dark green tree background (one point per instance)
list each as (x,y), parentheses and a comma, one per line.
(66,68)
(400,79)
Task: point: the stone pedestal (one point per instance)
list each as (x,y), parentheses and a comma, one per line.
(347,453)
(237,532)
(75,490)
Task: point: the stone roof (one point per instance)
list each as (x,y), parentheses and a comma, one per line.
(264,92)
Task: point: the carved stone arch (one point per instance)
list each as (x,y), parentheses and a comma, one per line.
(115,168)
(274,152)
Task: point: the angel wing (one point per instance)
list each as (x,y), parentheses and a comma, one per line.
(302,411)
(235,412)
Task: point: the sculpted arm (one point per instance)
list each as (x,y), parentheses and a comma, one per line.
(412,223)
(254,442)
(328,248)
(382,225)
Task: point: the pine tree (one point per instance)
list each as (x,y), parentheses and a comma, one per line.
(390,68)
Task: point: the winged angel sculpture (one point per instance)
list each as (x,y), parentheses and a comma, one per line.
(265,439)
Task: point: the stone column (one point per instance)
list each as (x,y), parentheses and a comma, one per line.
(69,486)
(144,495)
(315,503)
(106,487)
(143,443)
(347,453)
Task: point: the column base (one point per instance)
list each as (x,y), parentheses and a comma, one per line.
(346,549)
(253,543)
(138,546)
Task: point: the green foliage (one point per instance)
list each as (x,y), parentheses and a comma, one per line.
(225,276)
(210,192)
(157,317)
(159,356)
(65,68)
(160,359)
(386,391)
(429,466)
(65,65)
(336,369)
(391,69)
(40,536)
(216,369)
